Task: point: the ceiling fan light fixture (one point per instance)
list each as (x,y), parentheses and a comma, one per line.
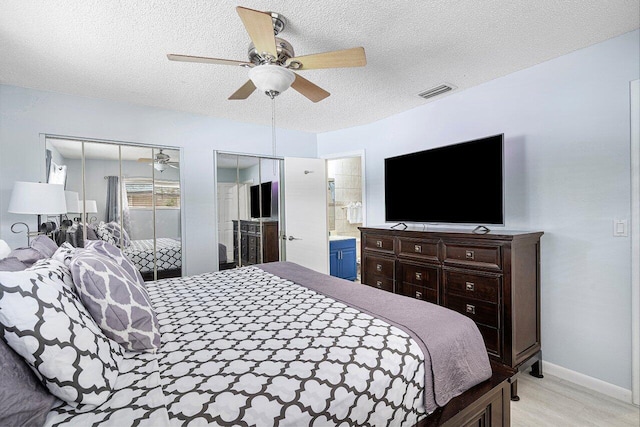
(160,167)
(271,79)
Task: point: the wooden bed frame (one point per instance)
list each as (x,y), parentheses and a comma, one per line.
(486,405)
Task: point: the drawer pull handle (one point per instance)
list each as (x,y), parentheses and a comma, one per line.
(417,249)
(378,267)
(470,286)
(471,309)
(379,243)
(379,283)
(418,276)
(418,294)
(469,254)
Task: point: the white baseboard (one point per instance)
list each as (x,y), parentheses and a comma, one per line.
(586,381)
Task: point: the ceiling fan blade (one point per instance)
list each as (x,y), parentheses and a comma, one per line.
(260,28)
(172,166)
(205,60)
(143,160)
(308,89)
(354,57)
(244,91)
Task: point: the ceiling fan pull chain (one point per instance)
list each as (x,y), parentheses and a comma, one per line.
(273,131)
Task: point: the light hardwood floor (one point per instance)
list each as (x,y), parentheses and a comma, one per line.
(552,401)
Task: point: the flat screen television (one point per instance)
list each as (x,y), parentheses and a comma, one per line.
(456,184)
(261,203)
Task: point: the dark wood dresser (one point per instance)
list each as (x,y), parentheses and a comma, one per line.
(258,243)
(493,278)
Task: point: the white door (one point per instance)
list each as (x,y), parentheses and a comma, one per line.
(305,194)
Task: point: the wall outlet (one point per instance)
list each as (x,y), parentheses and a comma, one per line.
(620,228)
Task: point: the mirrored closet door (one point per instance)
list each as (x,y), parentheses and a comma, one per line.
(125,194)
(249,209)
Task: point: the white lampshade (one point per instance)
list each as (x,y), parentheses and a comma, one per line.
(71,197)
(37,198)
(271,79)
(91,206)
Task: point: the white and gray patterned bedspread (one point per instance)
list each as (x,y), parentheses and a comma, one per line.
(244,347)
(168,252)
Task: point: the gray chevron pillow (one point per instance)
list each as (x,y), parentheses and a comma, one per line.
(119,305)
(46,324)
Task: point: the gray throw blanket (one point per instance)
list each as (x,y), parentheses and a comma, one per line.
(455,355)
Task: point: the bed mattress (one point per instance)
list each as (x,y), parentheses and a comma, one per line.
(168,252)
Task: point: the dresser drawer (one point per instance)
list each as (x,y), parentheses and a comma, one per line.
(380,282)
(480,311)
(378,243)
(422,249)
(377,266)
(473,255)
(419,275)
(491,338)
(470,285)
(418,292)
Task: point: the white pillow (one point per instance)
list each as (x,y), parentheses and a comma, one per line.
(4,249)
(44,322)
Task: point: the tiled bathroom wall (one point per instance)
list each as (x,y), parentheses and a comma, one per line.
(347,177)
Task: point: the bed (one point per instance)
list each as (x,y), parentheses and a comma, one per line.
(168,253)
(278,344)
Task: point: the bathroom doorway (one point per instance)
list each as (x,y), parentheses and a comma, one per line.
(345,212)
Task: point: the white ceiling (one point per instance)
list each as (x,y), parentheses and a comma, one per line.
(117,50)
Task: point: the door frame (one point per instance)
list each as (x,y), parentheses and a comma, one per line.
(634,95)
(361,154)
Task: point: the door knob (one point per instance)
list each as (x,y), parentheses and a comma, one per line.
(294,238)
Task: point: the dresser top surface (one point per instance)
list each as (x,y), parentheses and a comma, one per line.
(414,229)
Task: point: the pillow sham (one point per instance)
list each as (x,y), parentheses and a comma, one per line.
(65,253)
(44,322)
(28,256)
(23,399)
(91,232)
(113,252)
(12,264)
(119,234)
(41,247)
(118,304)
(104,234)
(44,245)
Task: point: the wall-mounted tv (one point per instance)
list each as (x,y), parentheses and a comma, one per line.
(261,200)
(455,184)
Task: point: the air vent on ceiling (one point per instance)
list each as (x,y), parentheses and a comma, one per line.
(435,91)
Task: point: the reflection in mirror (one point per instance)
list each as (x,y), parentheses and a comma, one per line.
(130,197)
(248,209)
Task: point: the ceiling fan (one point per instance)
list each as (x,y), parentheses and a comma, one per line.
(271,59)
(160,162)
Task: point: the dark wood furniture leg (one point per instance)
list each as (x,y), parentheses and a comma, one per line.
(514,389)
(536,369)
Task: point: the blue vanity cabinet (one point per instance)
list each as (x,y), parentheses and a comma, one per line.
(342,258)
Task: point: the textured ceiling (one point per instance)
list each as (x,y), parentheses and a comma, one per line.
(117,50)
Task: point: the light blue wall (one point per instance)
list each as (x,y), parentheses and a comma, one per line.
(566,124)
(27,113)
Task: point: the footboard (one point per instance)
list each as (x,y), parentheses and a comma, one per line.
(487,404)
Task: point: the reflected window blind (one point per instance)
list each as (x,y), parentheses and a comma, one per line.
(140,193)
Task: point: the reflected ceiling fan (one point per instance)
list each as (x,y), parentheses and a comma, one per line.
(271,59)
(160,162)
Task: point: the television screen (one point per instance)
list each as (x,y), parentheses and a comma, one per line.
(456,184)
(260,203)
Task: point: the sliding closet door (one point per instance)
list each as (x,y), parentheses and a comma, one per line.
(248,196)
(133,191)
